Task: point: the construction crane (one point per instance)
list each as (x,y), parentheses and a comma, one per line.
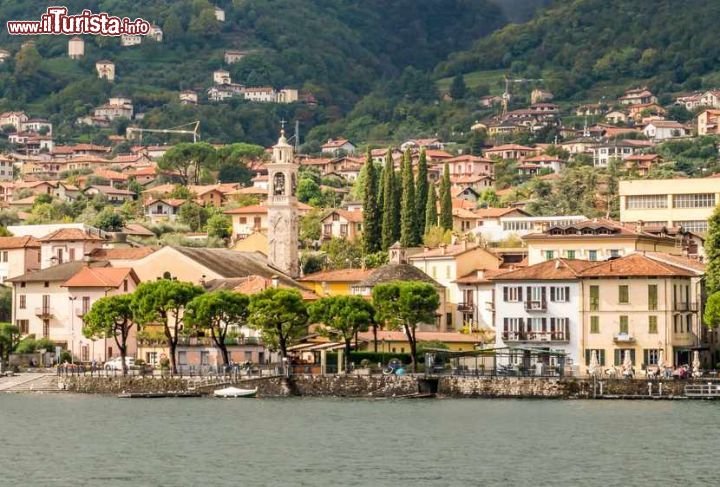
(195,132)
(506,94)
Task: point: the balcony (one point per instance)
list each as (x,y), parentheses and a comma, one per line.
(536,305)
(44,312)
(466,307)
(623,338)
(692,307)
(81,312)
(537,336)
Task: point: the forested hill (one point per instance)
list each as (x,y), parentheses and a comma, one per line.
(339,50)
(577,45)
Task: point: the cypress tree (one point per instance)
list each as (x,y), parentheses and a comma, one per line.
(371,217)
(445,201)
(397,205)
(408,219)
(431,216)
(388,210)
(712,251)
(421,193)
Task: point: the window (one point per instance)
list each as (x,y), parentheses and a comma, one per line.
(594,324)
(624,325)
(623,294)
(652,324)
(549,255)
(594,298)
(620,355)
(512,294)
(23,326)
(652,297)
(560,294)
(614,253)
(242,220)
(248,356)
(182,358)
(22,301)
(699,200)
(592,255)
(600,356)
(327,229)
(46,329)
(4,256)
(335,217)
(650,356)
(71,255)
(570,254)
(646,201)
(204,357)
(695,226)
(343,229)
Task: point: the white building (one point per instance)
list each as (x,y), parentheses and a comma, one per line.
(221,77)
(128,40)
(499,224)
(50,303)
(155,33)
(166,209)
(76,48)
(105,69)
(219,14)
(18,255)
(665,129)
(261,94)
(234,56)
(67,245)
(539,306)
(188,97)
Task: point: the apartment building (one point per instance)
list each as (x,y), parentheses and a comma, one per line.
(596,240)
(686,203)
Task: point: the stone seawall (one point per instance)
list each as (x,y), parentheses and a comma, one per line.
(392,386)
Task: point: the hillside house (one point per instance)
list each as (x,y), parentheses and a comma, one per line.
(105,69)
(337,146)
(162,209)
(342,224)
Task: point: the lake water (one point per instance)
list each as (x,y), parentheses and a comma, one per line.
(102,441)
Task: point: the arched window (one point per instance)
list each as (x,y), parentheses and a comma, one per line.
(279,184)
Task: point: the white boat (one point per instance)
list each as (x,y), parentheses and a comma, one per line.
(235,392)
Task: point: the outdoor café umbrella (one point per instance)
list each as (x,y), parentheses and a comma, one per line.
(627,363)
(594,364)
(661,360)
(696,364)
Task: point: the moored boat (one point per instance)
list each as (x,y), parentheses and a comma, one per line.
(235,392)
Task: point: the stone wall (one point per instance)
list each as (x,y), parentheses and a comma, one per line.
(392,386)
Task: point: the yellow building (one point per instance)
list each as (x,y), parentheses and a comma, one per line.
(643,305)
(334,283)
(595,240)
(396,341)
(671,202)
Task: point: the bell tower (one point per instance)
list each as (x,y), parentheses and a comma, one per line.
(283,225)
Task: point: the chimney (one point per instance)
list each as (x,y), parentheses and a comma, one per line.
(443,248)
(464,244)
(480,273)
(558,264)
(639,225)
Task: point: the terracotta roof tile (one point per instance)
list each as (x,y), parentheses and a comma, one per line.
(635,265)
(340,275)
(551,270)
(9,243)
(100,277)
(68,234)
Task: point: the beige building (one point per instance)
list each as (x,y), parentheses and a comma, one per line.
(707,122)
(18,255)
(447,264)
(671,202)
(643,306)
(595,240)
(342,224)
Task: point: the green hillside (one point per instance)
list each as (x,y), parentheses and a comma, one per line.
(584,44)
(338,50)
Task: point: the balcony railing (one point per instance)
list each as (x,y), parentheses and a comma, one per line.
(466,307)
(686,307)
(44,312)
(623,338)
(537,336)
(540,305)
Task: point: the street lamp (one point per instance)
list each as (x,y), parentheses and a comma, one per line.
(72,328)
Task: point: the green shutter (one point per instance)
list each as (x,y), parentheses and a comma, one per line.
(594,324)
(624,324)
(652,324)
(594,298)
(624,294)
(652,297)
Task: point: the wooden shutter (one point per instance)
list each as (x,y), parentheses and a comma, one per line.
(618,356)
(505,294)
(520,297)
(567,294)
(588,352)
(543,294)
(601,357)
(505,325)
(552,294)
(544,323)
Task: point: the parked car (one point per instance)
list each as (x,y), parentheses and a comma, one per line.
(116,363)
